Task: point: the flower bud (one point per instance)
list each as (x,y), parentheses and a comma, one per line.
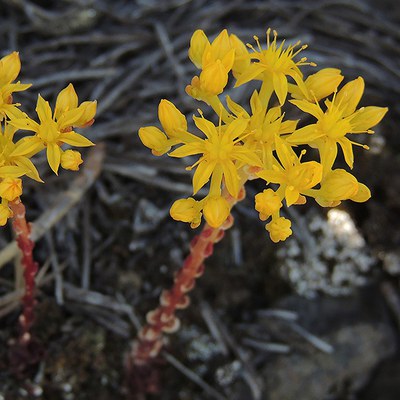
(154,139)
(214,78)
(216,210)
(338,185)
(71,159)
(279,229)
(10,188)
(267,203)
(186,210)
(172,120)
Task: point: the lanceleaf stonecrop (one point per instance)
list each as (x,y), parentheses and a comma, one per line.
(258,139)
(53,130)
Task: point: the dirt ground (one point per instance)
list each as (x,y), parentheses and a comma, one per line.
(316,317)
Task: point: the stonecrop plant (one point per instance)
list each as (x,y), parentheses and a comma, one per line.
(263,138)
(21,138)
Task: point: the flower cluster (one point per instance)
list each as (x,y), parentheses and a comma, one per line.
(259,140)
(52,131)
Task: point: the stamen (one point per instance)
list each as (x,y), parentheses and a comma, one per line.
(258,43)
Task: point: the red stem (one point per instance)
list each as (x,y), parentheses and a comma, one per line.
(22,231)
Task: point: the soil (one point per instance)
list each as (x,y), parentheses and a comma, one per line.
(104,264)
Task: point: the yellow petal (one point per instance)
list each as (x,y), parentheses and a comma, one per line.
(30,169)
(67,100)
(242,59)
(54,156)
(231,178)
(280,86)
(43,109)
(367,117)
(206,126)
(347,149)
(27,146)
(198,43)
(221,45)
(308,107)
(252,72)
(363,194)
(202,174)
(291,195)
(5,213)
(75,139)
(236,109)
(349,96)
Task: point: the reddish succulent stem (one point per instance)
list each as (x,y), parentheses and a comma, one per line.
(163,318)
(22,231)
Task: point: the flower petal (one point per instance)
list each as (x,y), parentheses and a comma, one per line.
(202,174)
(54,156)
(75,139)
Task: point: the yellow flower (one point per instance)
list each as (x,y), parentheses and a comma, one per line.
(293,176)
(5,213)
(216,210)
(10,66)
(279,229)
(187,210)
(219,151)
(264,126)
(10,188)
(54,130)
(71,159)
(340,118)
(267,203)
(273,65)
(10,165)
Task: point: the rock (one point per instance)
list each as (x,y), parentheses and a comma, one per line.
(361,336)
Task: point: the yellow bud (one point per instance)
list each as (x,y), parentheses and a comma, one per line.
(198,44)
(71,159)
(216,210)
(5,213)
(10,188)
(267,203)
(172,120)
(154,139)
(338,185)
(214,78)
(186,210)
(10,65)
(279,229)
(323,83)
(89,111)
